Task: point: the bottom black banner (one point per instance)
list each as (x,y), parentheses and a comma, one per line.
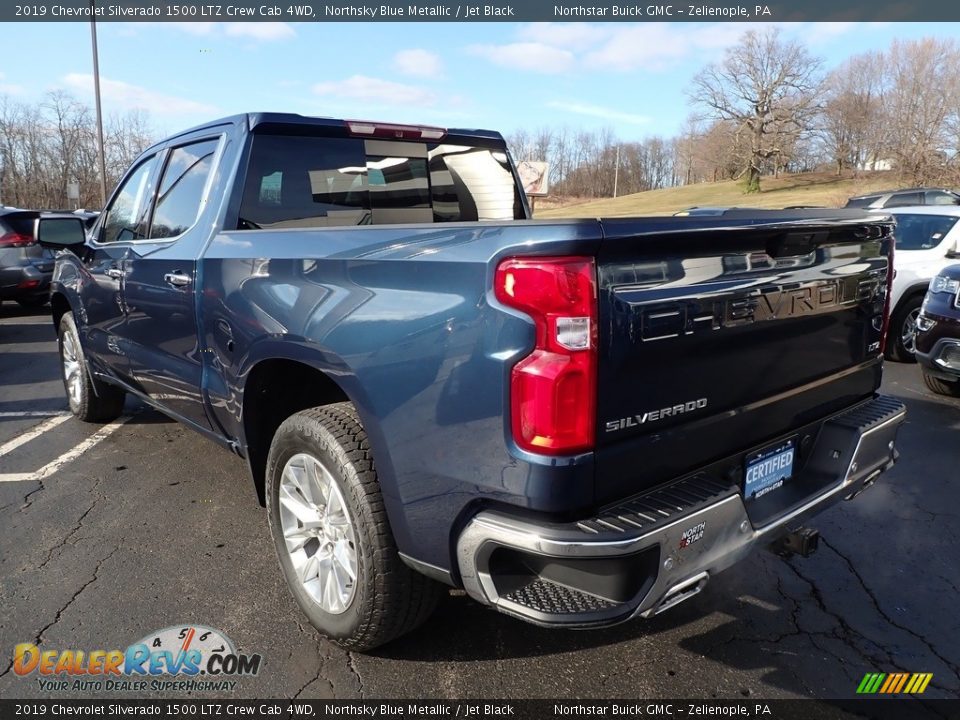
(894,709)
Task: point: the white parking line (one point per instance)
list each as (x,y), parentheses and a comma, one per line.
(33,432)
(26,321)
(53,466)
(29,413)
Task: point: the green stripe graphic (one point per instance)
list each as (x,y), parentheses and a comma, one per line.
(862,687)
(877,683)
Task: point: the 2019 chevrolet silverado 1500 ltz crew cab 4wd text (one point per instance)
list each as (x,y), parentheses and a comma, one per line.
(578,422)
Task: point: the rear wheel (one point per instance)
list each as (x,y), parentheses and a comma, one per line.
(903,330)
(90,400)
(941,386)
(332,535)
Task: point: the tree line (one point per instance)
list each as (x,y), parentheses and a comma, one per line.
(769,106)
(46,147)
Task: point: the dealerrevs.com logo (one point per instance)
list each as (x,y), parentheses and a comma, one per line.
(178,658)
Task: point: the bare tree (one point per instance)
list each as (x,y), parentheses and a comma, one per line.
(852,123)
(922,104)
(45,147)
(768,87)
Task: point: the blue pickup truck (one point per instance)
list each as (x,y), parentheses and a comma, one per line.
(577,422)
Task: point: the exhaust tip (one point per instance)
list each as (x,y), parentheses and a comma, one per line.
(681,591)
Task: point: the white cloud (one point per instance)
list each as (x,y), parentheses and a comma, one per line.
(533,56)
(640,46)
(129,97)
(574,35)
(263,31)
(600,112)
(825,32)
(266,31)
(375,91)
(194,28)
(10,88)
(650,47)
(419,63)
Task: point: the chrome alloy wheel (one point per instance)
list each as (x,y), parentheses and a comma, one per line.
(908,333)
(72,372)
(318,532)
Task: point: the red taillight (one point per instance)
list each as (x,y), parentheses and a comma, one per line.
(396,132)
(891,274)
(14,239)
(553,390)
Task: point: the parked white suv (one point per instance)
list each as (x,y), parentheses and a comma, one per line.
(928,239)
(905,197)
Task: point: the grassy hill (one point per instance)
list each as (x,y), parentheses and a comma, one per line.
(825,189)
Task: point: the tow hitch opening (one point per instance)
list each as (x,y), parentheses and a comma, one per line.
(802,541)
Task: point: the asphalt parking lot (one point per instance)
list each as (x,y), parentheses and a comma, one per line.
(107,534)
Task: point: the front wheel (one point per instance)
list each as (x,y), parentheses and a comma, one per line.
(332,536)
(940,386)
(90,400)
(902,343)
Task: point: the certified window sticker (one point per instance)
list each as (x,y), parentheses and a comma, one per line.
(177,658)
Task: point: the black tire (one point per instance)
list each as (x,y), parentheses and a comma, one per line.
(34,301)
(388,598)
(94,401)
(940,386)
(896,349)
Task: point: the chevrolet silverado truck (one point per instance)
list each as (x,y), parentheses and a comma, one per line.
(578,422)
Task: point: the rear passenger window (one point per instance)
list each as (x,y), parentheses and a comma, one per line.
(904,199)
(938,197)
(297,181)
(181,188)
(862,202)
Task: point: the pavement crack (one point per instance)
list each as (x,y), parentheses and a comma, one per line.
(353,668)
(38,638)
(883,613)
(845,633)
(26,498)
(66,539)
(310,682)
(96,574)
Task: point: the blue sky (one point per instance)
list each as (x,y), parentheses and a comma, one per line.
(625,76)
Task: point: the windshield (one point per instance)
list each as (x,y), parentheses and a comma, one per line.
(922,232)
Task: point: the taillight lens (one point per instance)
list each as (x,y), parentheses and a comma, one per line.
(891,273)
(553,390)
(14,239)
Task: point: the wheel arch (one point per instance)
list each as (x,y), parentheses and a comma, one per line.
(282,377)
(909,294)
(59,306)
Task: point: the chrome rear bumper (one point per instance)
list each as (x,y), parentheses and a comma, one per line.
(653,551)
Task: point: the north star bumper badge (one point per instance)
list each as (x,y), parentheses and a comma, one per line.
(692,535)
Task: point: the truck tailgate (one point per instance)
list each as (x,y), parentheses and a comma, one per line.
(764,324)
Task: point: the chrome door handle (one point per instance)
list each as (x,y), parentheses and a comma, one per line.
(176,278)
(112,272)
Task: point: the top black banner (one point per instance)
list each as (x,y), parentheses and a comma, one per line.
(496,11)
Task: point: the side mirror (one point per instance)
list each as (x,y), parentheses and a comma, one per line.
(61,233)
(954,252)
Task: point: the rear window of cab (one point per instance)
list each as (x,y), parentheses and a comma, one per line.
(310,182)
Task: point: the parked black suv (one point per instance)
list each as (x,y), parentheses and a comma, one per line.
(25,267)
(938,333)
